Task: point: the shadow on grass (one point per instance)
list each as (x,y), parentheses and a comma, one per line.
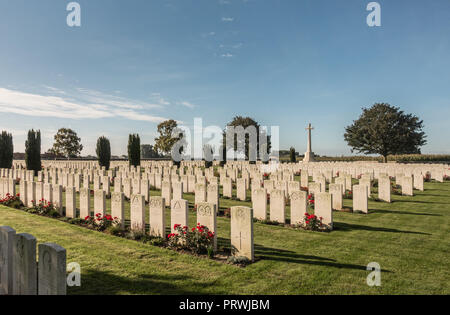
(431,195)
(96,282)
(275,254)
(404,212)
(425,202)
(341,226)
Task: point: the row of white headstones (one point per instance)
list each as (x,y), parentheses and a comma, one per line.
(21,274)
(134,184)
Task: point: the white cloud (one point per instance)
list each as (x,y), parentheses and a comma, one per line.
(87,104)
(227,19)
(187,104)
(227,55)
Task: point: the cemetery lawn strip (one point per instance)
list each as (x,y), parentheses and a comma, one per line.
(409,238)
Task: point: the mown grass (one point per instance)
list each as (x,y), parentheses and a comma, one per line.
(408,238)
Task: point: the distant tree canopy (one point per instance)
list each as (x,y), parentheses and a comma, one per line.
(67,144)
(33,151)
(384,129)
(246,122)
(103,151)
(6,150)
(134,150)
(165,141)
(148,152)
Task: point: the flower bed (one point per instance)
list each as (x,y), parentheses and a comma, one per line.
(198,241)
(12,201)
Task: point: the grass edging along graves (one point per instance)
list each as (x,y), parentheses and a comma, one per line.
(408,238)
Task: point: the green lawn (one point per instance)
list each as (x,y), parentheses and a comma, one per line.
(409,238)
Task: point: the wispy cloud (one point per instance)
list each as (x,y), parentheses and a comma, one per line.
(87,104)
(227,19)
(227,55)
(186,104)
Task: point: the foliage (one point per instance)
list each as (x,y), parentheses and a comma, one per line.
(311,202)
(348,194)
(165,141)
(239,260)
(67,144)
(246,122)
(11,201)
(45,208)
(134,150)
(33,151)
(292,155)
(101,222)
(6,150)
(148,152)
(312,222)
(199,240)
(384,129)
(103,152)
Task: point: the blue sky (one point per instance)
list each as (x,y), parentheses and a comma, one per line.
(134,63)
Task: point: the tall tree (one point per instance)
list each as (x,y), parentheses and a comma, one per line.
(67,143)
(292,156)
(165,141)
(33,151)
(6,150)
(103,151)
(384,129)
(134,149)
(246,122)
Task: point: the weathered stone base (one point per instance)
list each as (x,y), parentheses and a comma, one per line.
(309,157)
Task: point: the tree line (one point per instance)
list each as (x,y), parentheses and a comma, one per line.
(381,129)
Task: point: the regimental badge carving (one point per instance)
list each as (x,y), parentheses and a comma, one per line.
(204,210)
(117,197)
(240,212)
(155,203)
